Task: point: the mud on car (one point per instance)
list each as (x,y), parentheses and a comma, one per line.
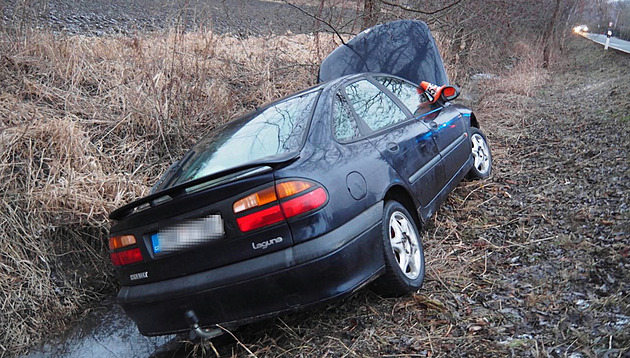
(306,199)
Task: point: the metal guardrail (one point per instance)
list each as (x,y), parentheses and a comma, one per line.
(615,43)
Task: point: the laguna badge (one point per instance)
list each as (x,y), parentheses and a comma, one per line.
(265,244)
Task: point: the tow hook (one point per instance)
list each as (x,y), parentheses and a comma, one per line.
(205,333)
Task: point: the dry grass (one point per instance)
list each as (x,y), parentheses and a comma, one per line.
(88,124)
(526,76)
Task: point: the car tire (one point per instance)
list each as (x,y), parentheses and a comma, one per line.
(482,157)
(404,257)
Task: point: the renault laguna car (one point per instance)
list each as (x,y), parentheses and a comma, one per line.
(307,199)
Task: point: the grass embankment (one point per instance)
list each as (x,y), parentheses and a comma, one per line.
(88,124)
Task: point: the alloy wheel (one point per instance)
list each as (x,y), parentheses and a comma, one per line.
(481,153)
(405,245)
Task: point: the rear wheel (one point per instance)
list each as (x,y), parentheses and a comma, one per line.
(404,257)
(481,155)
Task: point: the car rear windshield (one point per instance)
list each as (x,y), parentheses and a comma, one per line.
(269,132)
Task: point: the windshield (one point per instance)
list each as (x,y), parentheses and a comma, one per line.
(272,131)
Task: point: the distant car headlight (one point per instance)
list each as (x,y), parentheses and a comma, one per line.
(580,28)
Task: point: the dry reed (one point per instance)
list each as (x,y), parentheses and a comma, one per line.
(88,124)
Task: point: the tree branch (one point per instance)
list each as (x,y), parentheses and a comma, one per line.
(318,19)
(406,8)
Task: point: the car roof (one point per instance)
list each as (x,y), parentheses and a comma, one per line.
(404,48)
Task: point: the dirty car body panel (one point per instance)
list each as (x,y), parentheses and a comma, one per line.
(282,209)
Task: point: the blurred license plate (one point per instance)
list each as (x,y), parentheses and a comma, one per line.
(188,234)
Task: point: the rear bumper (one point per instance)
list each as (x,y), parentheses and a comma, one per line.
(300,276)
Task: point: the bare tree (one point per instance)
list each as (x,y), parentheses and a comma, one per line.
(547,37)
(371,11)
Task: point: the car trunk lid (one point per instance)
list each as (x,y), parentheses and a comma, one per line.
(197,231)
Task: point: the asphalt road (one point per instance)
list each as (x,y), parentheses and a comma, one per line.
(615,43)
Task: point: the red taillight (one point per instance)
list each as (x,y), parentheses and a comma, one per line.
(260,218)
(298,201)
(126,257)
(307,202)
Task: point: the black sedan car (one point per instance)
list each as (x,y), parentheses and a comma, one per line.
(306,199)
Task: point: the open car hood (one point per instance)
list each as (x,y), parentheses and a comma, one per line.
(403,48)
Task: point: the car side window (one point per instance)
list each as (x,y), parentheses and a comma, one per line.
(373,106)
(407,93)
(345,127)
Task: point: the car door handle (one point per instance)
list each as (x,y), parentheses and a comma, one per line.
(392,147)
(433,125)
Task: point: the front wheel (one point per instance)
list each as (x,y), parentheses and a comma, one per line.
(404,257)
(481,155)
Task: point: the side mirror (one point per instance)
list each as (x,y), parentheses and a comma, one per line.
(449,93)
(433,92)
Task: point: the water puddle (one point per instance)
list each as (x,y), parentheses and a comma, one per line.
(107,333)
